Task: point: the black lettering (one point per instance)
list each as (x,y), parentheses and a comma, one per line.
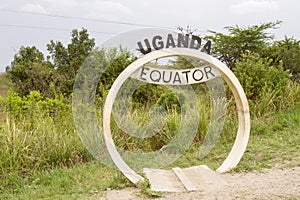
(207,47)
(143,73)
(141,48)
(170,41)
(176,78)
(198,42)
(186,75)
(160,43)
(152,78)
(183,40)
(170,76)
(199,79)
(208,71)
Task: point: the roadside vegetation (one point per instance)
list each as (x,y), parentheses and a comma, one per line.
(42,156)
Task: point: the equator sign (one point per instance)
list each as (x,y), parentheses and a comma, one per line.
(243,132)
(159,45)
(175,77)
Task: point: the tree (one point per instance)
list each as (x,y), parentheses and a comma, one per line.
(286,51)
(229,47)
(30,71)
(118,60)
(259,77)
(67,60)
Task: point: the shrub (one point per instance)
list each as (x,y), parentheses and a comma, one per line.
(170,100)
(263,83)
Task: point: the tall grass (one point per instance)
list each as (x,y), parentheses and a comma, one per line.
(44,146)
(36,139)
(38,134)
(156,129)
(5,83)
(269,103)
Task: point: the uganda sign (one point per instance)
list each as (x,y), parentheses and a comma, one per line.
(155,52)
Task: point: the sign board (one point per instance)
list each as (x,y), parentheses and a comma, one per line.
(175,77)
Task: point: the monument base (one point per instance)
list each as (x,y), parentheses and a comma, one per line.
(181,180)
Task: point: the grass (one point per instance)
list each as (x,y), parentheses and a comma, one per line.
(88,181)
(46,146)
(42,158)
(5,83)
(273,142)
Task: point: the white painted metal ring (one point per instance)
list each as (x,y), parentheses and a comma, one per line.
(243,132)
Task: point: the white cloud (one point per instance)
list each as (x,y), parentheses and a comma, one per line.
(254,6)
(61,4)
(102,9)
(106,9)
(35,8)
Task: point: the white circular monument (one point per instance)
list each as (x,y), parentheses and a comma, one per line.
(180,77)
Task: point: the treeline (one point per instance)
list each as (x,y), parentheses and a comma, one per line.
(231,47)
(31,70)
(55,73)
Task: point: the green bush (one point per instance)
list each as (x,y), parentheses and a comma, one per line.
(35,104)
(263,83)
(171,100)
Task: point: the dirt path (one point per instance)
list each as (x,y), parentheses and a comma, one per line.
(267,184)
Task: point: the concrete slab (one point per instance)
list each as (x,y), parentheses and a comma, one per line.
(184,179)
(188,179)
(163,180)
(204,178)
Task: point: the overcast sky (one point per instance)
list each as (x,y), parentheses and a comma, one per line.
(20,26)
